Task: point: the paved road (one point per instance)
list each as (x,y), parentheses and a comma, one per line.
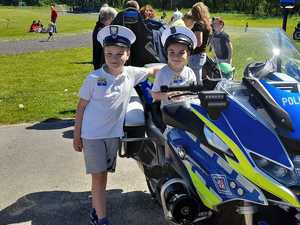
(61,42)
(42,181)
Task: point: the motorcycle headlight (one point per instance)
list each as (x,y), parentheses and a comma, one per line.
(281,174)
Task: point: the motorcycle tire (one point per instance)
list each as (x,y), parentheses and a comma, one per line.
(152,192)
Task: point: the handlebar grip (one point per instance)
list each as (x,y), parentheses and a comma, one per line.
(191,88)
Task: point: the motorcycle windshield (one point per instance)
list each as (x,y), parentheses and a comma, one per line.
(270,58)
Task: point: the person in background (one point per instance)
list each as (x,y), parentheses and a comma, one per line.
(40,26)
(54,15)
(147,12)
(201,29)
(132,5)
(220,41)
(246,26)
(51,30)
(106,16)
(176,19)
(188,20)
(33,26)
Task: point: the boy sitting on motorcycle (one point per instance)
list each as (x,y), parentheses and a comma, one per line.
(178,42)
(104,97)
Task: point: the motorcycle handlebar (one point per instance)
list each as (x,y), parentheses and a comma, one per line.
(191,88)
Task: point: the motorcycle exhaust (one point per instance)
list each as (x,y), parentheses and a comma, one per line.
(177,202)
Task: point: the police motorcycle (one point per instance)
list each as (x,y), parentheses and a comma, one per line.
(296,34)
(233,147)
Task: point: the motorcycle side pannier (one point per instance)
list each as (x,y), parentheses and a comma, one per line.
(134,128)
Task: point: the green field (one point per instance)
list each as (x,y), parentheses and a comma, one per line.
(15,22)
(45,83)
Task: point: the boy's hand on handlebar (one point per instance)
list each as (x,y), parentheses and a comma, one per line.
(172,95)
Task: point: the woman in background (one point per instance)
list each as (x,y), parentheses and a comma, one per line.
(147,12)
(202,30)
(106,16)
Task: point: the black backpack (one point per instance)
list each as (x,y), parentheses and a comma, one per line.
(147,47)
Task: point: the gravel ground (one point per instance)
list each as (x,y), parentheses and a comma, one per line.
(60,42)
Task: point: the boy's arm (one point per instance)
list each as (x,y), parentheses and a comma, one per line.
(77,142)
(230,50)
(154,69)
(158,96)
(199,36)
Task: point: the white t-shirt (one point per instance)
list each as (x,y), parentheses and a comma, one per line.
(167,76)
(108,97)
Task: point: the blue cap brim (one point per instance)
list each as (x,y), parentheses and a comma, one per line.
(116,41)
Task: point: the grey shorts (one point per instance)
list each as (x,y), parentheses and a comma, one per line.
(100,155)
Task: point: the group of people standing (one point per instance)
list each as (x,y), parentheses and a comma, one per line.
(209,32)
(105,94)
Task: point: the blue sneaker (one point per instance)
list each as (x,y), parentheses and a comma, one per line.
(93,217)
(103,221)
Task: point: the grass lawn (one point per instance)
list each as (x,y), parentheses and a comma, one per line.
(47,83)
(241,19)
(49,88)
(15,22)
(46,90)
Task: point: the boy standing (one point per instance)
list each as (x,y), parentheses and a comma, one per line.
(178,43)
(220,41)
(100,114)
(53,16)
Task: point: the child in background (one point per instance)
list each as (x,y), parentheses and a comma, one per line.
(32,26)
(220,42)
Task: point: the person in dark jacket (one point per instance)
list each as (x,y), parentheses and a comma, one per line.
(106,16)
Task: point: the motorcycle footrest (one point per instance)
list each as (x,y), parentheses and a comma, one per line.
(135,139)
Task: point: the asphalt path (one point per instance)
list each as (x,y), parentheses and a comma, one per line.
(43,181)
(60,42)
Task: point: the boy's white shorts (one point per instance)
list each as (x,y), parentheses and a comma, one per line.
(100,155)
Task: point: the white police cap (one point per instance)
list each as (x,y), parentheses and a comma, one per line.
(179,34)
(116,35)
